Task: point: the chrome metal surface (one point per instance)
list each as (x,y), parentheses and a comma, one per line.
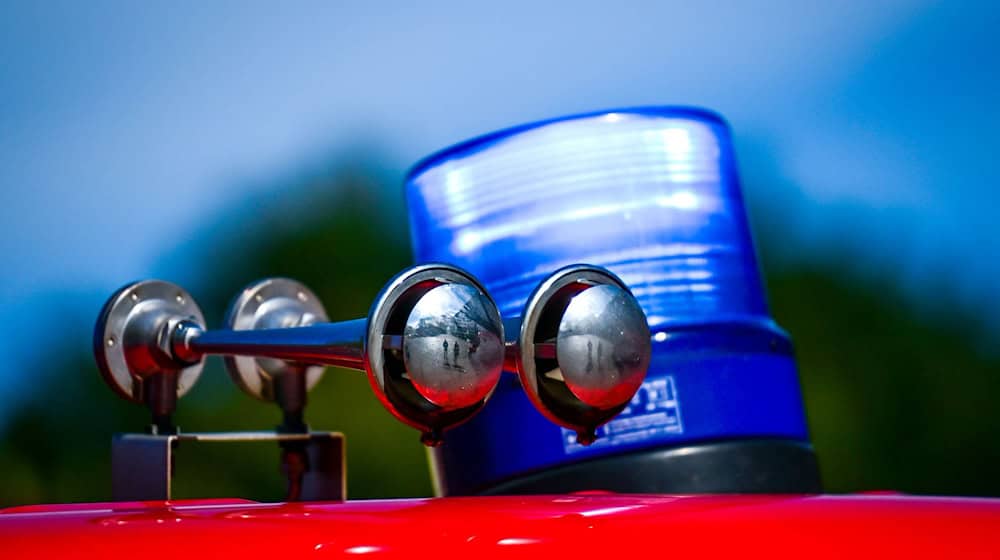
(142,465)
(333,344)
(582,348)
(274,303)
(603,346)
(408,326)
(453,346)
(131,344)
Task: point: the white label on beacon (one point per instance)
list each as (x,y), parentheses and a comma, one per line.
(655,410)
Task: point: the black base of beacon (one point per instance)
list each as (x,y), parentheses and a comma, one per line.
(760,466)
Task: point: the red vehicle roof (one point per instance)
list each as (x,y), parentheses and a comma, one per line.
(589,525)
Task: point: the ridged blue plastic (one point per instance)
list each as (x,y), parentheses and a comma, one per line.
(653,195)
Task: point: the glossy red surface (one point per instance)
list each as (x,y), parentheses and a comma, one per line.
(570,526)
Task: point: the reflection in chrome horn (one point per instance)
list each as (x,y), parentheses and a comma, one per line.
(581,348)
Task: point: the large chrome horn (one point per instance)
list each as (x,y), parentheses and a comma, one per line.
(581,348)
(432,344)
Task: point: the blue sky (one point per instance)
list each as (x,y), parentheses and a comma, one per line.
(125,125)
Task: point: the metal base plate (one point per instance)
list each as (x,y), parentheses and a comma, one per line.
(273,303)
(126,327)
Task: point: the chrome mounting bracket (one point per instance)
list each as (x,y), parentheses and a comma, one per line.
(142,465)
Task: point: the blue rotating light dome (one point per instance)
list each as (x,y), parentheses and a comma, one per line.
(651,194)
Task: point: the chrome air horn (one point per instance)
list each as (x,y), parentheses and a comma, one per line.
(432,346)
(580,348)
(133,350)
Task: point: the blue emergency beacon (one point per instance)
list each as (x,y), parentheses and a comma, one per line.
(652,194)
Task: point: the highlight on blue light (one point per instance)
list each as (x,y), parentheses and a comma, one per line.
(650,193)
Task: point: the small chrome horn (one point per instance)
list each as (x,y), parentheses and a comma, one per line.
(275,303)
(134,357)
(582,348)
